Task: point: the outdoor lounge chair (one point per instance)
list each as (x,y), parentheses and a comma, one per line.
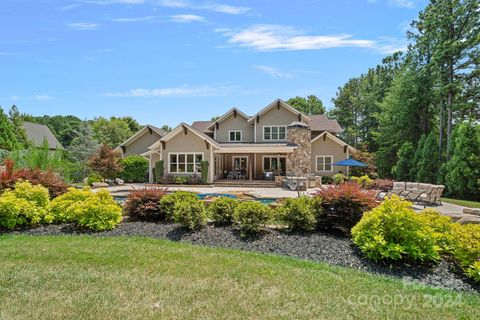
(398,189)
(429,197)
(438,194)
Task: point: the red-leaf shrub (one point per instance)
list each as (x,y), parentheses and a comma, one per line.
(344,205)
(49,179)
(143,204)
(382,184)
(106,162)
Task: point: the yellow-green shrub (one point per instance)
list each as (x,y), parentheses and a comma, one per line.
(441,228)
(167,203)
(251,217)
(25,205)
(221,210)
(190,213)
(95,211)
(61,206)
(466,248)
(393,231)
(363,181)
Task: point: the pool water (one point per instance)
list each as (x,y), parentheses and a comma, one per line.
(202,196)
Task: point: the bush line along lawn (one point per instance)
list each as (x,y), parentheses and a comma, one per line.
(138,278)
(464,203)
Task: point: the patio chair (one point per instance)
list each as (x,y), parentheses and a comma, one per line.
(429,196)
(398,189)
(438,194)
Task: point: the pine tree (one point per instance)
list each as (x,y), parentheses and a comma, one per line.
(428,166)
(17,122)
(417,157)
(405,162)
(82,147)
(463,169)
(8,140)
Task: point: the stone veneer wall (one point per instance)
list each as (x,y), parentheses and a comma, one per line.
(299,161)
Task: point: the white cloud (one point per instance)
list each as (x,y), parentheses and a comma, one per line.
(185,18)
(287,38)
(137,19)
(403,3)
(273,72)
(70,7)
(181,91)
(83,26)
(211,6)
(44,97)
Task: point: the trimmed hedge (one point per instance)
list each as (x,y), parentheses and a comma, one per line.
(301,213)
(167,202)
(252,217)
(221,210)
(190,213)
(134,169)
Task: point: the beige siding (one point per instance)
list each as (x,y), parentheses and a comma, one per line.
(234,123)
(141,144)
(274,116)
(186,143)
(327,148)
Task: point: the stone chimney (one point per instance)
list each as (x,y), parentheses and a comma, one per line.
(299,162)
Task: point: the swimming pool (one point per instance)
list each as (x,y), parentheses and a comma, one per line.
(205,196)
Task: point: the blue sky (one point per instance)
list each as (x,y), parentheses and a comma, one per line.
(168,61)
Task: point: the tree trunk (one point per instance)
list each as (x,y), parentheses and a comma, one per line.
(449,123)
(440,133)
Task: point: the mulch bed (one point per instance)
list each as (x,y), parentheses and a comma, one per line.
(331,248)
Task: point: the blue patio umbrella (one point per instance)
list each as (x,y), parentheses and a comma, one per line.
(349,163)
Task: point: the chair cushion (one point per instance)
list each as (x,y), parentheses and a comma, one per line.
(412,186)
(399,185)
(423,187)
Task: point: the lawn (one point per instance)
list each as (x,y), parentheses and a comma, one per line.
(464,203)
(66,277)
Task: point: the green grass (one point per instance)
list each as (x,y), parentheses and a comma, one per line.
(464,203)
(81,277)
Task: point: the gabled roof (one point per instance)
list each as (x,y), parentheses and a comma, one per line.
(180,128)
(276,103)
(332,137)
(320,122)
(227,114)
(137,135)
(202,126)
(37,133)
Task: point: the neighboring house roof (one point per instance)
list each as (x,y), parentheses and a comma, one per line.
(276,103)
(335,139)
(202,126)
(37,133)
(227,114)
(137,135)
(320,122)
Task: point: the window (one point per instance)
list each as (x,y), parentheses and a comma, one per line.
(324,163)
(275,133)
(235,135)
(276,164)
(185,162)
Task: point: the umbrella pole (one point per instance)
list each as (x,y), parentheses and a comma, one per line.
(348,171)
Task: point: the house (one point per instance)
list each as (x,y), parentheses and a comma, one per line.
(140,141)
(38,133)
(278,140)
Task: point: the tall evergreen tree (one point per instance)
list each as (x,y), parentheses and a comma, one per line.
(428,165)
(82,148)
(417,157)
(8,140)
(17,122)
(405,162)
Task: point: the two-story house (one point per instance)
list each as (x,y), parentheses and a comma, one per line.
(278,140)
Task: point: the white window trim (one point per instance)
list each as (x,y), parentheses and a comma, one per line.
(241,135)
(323,156)
(238,157)
(274,126)
(277,157)
(185,153)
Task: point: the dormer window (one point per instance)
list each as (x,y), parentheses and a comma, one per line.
(235,135)
(274,133)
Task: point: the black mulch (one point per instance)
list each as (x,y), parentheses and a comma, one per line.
(331,248)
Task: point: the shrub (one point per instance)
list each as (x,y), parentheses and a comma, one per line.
(167,202)
(300,213)
(204,171)
(98,213)
(251,217)
(190,213)
(144,204)
(363,181)
(339,178)
(95,211)
(106,162)
(61,208)
(181,180)
(93,178)
(25,205)
(221,210)
(135,169)
(327,180)
(343,206)
(393,231)
(441,227)
(466,248)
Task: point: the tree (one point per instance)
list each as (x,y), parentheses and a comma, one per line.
(463,169)
(111,132)
(133,124)
(309,106)
(81,149)
(17,122)
(428,165)
(8,140)
(405,162)
(166,128)
(106,162)
(417,157)
(64,128)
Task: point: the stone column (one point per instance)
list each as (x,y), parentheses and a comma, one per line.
(299,161)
